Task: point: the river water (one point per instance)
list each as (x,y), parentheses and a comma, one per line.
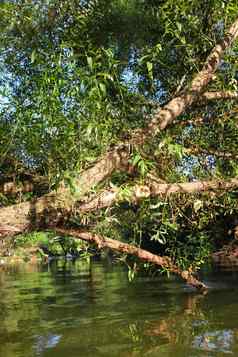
(69,309)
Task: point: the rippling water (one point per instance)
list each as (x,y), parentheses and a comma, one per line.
(76,309)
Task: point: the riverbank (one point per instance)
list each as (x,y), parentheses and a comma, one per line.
(40,247)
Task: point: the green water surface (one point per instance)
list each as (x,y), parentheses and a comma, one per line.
(69,309)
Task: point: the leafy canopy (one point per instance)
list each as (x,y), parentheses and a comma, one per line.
(77,76)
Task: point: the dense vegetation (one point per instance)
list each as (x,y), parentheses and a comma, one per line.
(116,122)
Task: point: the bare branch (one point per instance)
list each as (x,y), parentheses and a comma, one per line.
(163,262)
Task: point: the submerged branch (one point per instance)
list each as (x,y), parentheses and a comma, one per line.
(163,262)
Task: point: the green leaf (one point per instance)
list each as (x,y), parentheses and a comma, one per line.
(136,159)
(90,63)
(173,226)
(179,26)
(150,69)
(103,89)
(33,56)
(142,167)
(159,238)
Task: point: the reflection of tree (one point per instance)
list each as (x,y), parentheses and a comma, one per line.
(81,310)
(192,328)
(172,326)
(24,289)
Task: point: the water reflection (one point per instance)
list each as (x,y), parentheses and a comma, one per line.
(45,342)
(80,309)
(220,341)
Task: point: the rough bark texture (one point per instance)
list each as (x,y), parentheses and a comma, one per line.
(164,262)
(206,97)
(113,160)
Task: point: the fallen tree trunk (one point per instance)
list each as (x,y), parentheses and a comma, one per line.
(56,205)
(113,160)
(163,262)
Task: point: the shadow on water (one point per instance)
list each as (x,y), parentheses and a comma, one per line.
(80,309)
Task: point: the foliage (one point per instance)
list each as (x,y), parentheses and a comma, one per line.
(76,77)
(49,244)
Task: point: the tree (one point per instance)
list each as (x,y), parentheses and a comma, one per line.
(124,114)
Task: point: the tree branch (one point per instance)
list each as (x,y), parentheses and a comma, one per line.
(136,193)
(207,96)
(177,105)
(219,95)
(54,206)
(163,262)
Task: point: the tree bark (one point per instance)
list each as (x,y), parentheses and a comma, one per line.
(206,97)
(15,188)
(176,106)
(113,160)
(163,262)
(219,95)
(138,192)
(53,207)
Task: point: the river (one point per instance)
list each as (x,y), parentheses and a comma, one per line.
(68,309)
